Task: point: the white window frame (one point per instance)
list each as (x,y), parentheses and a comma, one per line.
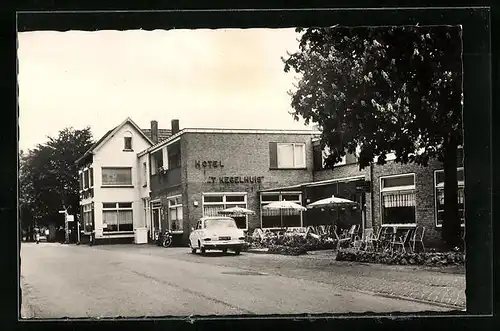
(177,198)
(126,135)
(155,204)
(405,188)
(118,209)
(460,184)
(87,209)
(89,183)
(324,154)
(117,185)
(303,145)
(224,203)
(145,174)
(280,198)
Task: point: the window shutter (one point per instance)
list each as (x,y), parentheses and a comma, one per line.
(91,177)
(273,155)
(317,157)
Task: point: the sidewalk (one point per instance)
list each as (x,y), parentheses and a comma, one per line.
(440,286)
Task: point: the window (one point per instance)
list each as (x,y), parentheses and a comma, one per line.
(127,141)
(287,155)
(277,218)
(117,216)
(213,203)
(398,199)
(156,162)
(86,180)
(324,155)
(439,195)
(175,213)
(144,174)
(116,176)
(81,180)
(88,217)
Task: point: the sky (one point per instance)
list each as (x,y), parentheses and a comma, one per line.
(224,78)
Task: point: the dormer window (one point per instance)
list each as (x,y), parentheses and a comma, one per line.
(127,141)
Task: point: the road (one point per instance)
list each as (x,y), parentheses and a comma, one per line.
(126,280)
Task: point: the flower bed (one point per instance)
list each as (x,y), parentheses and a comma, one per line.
(286,250)
(291,244)
(427,259)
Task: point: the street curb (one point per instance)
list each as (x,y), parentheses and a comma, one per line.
(400,297)
(257,251)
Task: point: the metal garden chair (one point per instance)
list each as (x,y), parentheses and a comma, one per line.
(418,239)
(401,241)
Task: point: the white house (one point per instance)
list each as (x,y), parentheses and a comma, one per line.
(110,175)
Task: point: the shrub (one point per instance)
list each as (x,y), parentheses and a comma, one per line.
(286,250)
(427,259)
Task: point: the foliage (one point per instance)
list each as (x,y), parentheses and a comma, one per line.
(292,241)
(427,259)
(385,90)
(48,177)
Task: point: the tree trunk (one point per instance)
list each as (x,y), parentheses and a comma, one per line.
(451,222)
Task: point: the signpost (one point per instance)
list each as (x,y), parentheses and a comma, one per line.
(69,218)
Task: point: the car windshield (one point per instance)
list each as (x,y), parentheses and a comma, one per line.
(220,223)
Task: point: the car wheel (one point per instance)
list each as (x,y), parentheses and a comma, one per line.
(237,251)
(202,249)
(193,249)
(224,250)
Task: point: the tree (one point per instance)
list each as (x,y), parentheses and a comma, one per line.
(48,177)
(383,90)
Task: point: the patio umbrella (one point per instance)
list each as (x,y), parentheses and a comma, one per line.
(284,205)
(332,202)
(236,211)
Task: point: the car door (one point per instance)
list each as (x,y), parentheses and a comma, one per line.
(195,235)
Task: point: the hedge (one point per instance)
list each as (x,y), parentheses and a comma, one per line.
(427,259)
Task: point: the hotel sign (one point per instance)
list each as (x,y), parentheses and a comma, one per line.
(198,164)
(235,179)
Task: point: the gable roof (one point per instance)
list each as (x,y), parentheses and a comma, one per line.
(110,134)
(162,134)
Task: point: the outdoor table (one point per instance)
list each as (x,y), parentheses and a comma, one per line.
(397,227)
(400,226)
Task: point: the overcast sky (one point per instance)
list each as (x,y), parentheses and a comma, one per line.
(227,78)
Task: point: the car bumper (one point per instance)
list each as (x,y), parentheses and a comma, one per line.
(224,244)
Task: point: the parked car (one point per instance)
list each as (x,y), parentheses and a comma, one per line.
(216,233)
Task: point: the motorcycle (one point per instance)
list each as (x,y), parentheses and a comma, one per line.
(166,239)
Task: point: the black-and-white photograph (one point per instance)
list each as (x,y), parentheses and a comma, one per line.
(201,172)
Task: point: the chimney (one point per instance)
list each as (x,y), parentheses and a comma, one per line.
(154,131)
(175,126)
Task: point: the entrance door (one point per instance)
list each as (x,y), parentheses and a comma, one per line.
(155,221)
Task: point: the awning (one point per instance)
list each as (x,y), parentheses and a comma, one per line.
(317,183)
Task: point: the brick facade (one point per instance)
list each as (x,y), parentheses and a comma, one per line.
(241,155)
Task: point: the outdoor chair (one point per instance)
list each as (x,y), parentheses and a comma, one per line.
(417,239)
(368,238)
(333,233)
(383,241)
(349,235)
(401,241)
